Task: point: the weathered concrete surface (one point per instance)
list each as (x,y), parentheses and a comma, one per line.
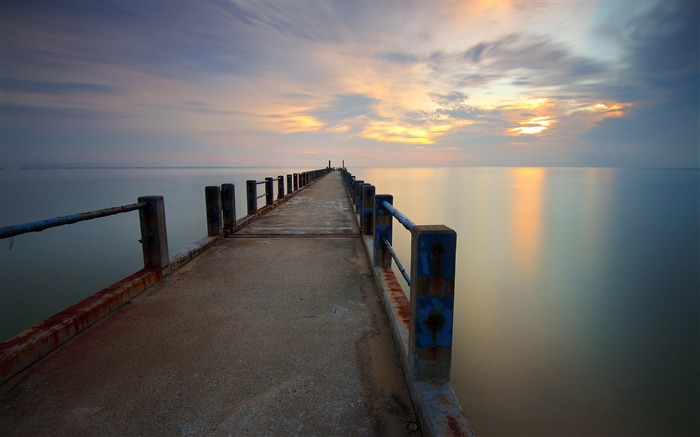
(262,335)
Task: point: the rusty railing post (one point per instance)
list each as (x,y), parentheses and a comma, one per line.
(367,216)
(212,195)
(383,221)
(433,252)
(252,196)
(154,235)
(289,184)
(358,195)
(280,187)
(228,206)
(269,200)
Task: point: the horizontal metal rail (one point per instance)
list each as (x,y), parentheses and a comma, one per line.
(38,226)
(262,195)
(408,224)
(260,183)
(398,263)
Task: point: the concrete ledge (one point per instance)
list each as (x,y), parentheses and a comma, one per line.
(26,348)
(190,252)
(434,402)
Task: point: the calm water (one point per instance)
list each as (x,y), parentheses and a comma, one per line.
(577,289)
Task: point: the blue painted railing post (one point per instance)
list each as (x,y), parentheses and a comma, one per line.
(269,199)
(212,195)
(252,196)
(280,187)
(296,181)
(289,184)
(228,206)
(383,221)
(367,215)
(433,252)
(358,195)
(154,235)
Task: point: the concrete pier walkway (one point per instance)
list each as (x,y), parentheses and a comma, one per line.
(278,330)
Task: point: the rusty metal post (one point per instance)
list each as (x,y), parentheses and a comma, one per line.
(296,181)
(433,253)
(269,195)
(289,184)
(358,195)
(154,235)
(252,196)
(212,195)
(367,216)
(228,206)
(280,187)
(383,221)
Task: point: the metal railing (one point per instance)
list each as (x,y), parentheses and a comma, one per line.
(422,328)
(431,281)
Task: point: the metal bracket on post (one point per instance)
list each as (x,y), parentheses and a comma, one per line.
(154,235)
(433,253)
(212,195)
(383,221)
(367,215)
(228,206)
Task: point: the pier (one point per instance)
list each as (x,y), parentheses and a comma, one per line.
(288,321)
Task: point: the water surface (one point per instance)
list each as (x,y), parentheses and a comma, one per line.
(577,289)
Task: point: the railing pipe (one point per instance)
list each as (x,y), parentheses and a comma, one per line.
(40,225)
(154,234)
(212,195)
(228,206)
(408,224)
(252,196)
(397,261)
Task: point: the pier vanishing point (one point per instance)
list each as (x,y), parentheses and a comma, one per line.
(284,323)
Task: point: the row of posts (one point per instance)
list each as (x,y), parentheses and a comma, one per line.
(220,210)
(221,201)
(432,277)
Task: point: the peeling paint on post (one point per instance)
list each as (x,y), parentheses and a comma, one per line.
(367,216)
(433,252)
(228,206)
(154,235)
(212,195)
(383,221)
(252,196)
(289,184)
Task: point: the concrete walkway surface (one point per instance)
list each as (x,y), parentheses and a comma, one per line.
(278,330)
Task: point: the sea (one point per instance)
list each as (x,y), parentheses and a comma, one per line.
(577,293)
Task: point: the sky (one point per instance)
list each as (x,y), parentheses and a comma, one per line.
(371,83)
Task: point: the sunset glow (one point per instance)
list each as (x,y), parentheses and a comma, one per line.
(164,84)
